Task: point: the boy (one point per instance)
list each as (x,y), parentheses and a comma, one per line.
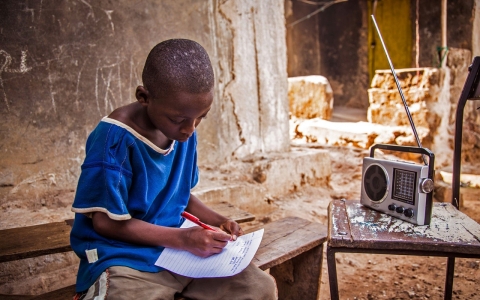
(136,179)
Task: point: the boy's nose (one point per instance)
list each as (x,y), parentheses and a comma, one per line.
(188,128)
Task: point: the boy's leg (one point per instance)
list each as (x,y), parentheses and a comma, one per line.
(251,283)
(126,283)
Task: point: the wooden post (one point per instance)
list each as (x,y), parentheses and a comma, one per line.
(443,52)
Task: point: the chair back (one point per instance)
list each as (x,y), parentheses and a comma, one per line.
(471,91)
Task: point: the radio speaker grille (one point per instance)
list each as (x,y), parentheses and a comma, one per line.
(375,183)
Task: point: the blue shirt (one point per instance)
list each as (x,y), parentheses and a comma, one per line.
(126,176)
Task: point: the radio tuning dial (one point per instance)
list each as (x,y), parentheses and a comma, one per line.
(409,213)
(392,207)
(400,209)
(426,185)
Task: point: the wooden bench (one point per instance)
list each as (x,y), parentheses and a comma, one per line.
(50,238)
(292,248)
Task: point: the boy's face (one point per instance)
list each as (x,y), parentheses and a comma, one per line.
(177,114)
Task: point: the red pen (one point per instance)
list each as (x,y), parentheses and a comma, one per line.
(196,220)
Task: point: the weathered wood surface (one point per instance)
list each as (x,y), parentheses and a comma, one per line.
(31,241)
(231,211)
(353,225)
(287,238)
(16,297)
(300,277)
(291,248)
(63,293)
(49,238)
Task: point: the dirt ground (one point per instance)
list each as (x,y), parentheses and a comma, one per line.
(361,276)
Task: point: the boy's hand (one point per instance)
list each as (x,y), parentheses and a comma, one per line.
(233,228)
(204,243)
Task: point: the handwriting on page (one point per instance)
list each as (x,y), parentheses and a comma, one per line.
(234,258)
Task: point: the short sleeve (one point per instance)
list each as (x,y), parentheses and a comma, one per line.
(106,175)
(103,188)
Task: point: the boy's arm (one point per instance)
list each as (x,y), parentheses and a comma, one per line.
(196,240)
(209,216)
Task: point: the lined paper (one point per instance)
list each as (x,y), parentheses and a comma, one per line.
(233,259)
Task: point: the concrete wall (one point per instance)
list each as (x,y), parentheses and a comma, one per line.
(344,52)
(252,80)
(331,43)
(459,28)
(303,44)
(66,64)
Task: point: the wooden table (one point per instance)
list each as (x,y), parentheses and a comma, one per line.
(355,228)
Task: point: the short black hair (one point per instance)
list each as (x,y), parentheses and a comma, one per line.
(178,65)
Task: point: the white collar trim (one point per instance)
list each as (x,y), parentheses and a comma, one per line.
(139,136)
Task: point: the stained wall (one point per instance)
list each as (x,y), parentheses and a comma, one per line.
(66,64)
(342,32)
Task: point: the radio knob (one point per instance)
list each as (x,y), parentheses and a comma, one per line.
(392,207)
(399,209)
(409,213)
(426,185)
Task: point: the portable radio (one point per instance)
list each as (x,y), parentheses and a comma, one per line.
(401,189)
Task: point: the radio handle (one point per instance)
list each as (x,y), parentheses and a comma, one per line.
(431,156)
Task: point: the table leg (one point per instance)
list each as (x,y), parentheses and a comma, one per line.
(449,278)
(332,273)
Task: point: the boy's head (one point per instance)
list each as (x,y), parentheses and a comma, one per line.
(177,91)
(178,65)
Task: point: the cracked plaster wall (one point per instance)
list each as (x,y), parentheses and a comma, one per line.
(252,76)
(66,64)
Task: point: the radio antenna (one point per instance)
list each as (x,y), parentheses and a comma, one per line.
(399,89)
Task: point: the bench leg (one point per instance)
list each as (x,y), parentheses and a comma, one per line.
(299,277)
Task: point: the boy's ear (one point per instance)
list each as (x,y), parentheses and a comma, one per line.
(142,95)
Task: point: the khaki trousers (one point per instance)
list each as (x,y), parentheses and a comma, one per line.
(119,283)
